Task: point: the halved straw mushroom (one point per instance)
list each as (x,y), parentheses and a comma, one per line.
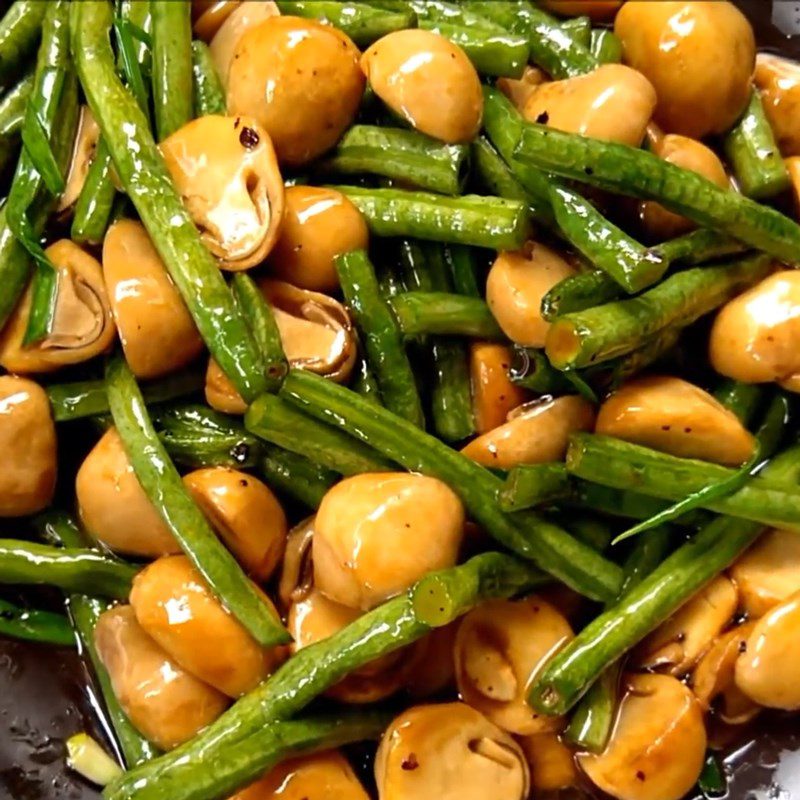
(297,571)
(515,287)
(428,81)
(500,647)
(493,393)
(677,417)
(318,225)
(245,514)
(301,80)
(613,102)
(449,752)
(86,138)
(220,393)
(551,762)
(28,444)
(768,670)
(658,743)
(754,335)
(518,90)
(378,533)
(321,776)
(175,606)
(535,433)
(676,645)
(768,573)
(113,507)
(166,704)
(227,174)
(778,80)
(157,332)
(435,670)
(82,323)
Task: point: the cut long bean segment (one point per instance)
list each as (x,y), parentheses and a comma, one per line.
(525,533)
(162,484)
(360,21)
(587,337)
(73,569)
(93,208)
(445,314)
(147,182)
(612,373)
(534,485)
(741,398)
(209,95)
(296,476)
(172,65)
(628,170)
(12,115)
(492,222)
(696,247)
(496,176)
(605,46)
(281,423)
(531,370)
(463,265)
(580,29)
(402,155)
(45,627)
(381,336)
(20,30)
(754,155)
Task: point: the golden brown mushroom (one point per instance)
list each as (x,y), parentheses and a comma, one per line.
(428,81)
(157,332)
(677,417)
(493,393)
(83,150)
(449,752)
(165,703)
(613,102)
(551,762)
(244,17)
(376,534)
(658,744)
(220,393)
(297,571)
(318,225)
(301,80)
(82,323)
(227,173)
(435,669)
(778,79)
(518,90)
(113,507)
(174,606)
(500,647)
(698,55)
(535,433)
(28,444)
(209,15)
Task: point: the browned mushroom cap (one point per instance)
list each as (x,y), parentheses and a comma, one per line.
(677,417)
(220,393)
(500,647)
(82,154)
(779,82)
(236,196)
(552,763)
(157,332)
(518,90)
(535,433)
(244,513)
(493,393)
(82,324)
(658,744)
(165,703)
(28,444)
(676,645)
(449,752)
(435,670)
(113,506)
(297,571)
(768,573)
(174,605)
(322,776)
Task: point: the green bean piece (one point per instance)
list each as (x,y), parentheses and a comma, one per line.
(276,421)
(20,30)
(261,320)
(628,170)
(697,247)
(553,48)
(364,382)
(463,270)
(445,314)
(147,182)
(72,569)
(362,23)
(534,485)
(588,528)
(491,222)
(525,533)
(209,94)
(32,625)
(296,476)
(580,29)
(305,676)
(651,350)
(495,175)
(624,503)
(597,334)
(740,398)
(12,115)
(754,155)
(605,46)
(712,781)
(402,155)
(164,487)
(172,65)
(381,336)
(531,370)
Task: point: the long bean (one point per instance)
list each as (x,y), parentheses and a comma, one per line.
(163,485)
(445,314)
(46,627)
(534,485)
(495,175)
(209,94)
(531,370)
(492,222)
(463,264)
(12,115)
(296,476)
(172,65)
(20,30)
(741,398)
(147,182)
(605,46)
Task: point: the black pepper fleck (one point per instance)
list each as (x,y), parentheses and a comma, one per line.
(543,118)
(409,763)
(248,138)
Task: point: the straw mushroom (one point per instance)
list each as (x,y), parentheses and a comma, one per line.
(493,393)
(778,80)
(86,138)
(518,90)
(209,15)
(297,571)
(551,762)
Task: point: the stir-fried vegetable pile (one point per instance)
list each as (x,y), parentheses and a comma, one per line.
(429,371)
